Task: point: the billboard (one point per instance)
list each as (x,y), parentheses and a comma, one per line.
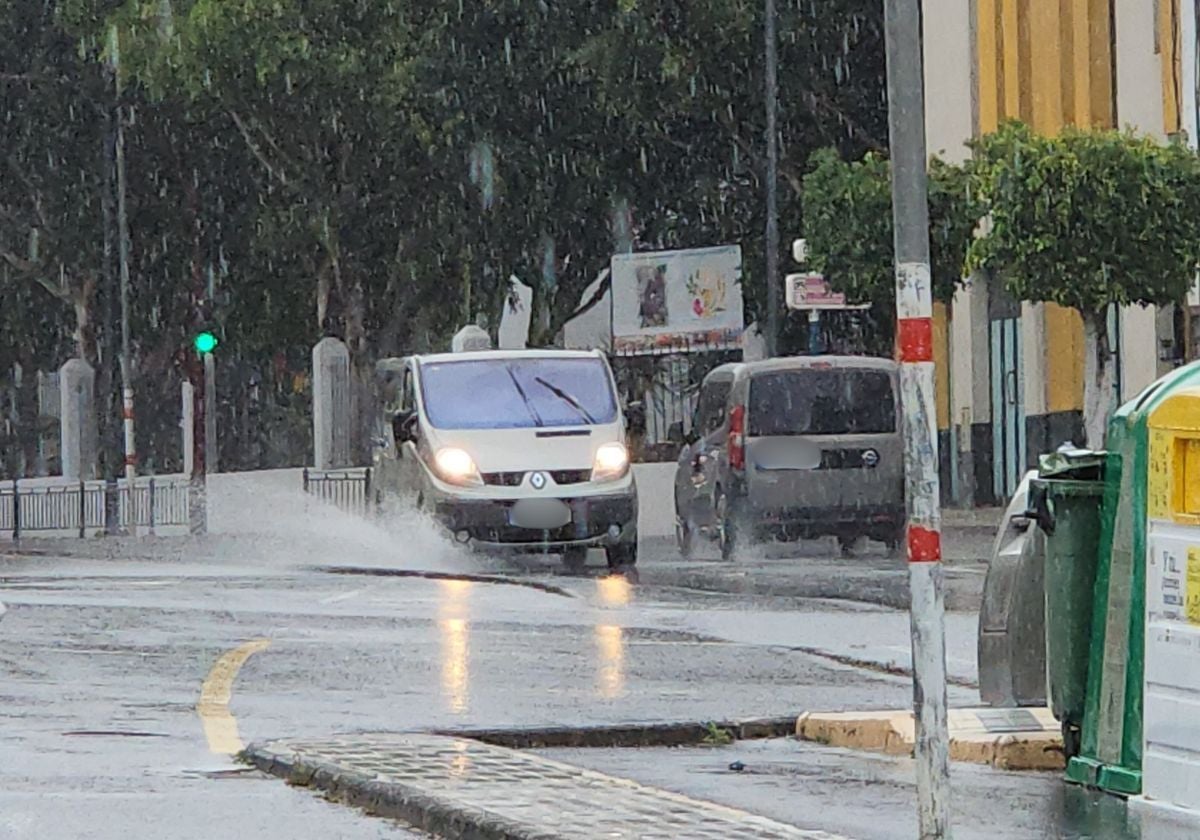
(677,298)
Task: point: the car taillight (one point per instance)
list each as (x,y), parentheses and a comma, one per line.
(737,437)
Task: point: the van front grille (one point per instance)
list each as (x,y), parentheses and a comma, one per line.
(504,479)
(516,479)
(571,476)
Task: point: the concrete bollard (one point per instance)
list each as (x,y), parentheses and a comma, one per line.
(77,423)
(187,426)
(331,404)
(210,414)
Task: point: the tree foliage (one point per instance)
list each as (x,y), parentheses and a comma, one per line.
(1088,219)
(848,225)
(379,170)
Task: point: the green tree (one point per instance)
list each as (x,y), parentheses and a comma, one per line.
(54,102)
(688,78)
(1088,220)
(848,225)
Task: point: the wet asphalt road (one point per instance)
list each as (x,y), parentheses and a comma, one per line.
(122,694)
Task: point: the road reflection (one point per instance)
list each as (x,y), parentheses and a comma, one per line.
(614,591)
(611,591)
(610,645)
(455,633)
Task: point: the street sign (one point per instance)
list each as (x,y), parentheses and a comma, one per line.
(811,291)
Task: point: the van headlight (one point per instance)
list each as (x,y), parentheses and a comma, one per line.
(612,462)
(455,466)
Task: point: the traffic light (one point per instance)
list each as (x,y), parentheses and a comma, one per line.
(204,342)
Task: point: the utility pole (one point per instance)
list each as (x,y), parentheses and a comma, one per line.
(110,446)
(123,263)
(914,313)
(772,136)
(123,260)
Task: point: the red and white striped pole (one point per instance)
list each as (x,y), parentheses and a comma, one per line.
(914,334)
(130,447)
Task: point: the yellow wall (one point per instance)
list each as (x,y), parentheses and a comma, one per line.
(1063,76)
(1049,64)
(1167,44)
(941,365)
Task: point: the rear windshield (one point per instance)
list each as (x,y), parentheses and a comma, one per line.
(517,393)
(710,413)
(822,402)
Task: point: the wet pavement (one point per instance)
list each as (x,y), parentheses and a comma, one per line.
(873,797)
(131,676)
(817,569)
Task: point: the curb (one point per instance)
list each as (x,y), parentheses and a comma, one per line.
(380,799)
(471,577)
(1007,739)
(691,733)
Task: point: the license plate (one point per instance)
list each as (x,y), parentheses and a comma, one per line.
(540,514)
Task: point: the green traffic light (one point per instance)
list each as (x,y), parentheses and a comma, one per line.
(205,342)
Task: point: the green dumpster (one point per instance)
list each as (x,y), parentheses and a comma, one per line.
(1066,501)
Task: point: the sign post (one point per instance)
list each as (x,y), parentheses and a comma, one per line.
(810,292)
(914,313)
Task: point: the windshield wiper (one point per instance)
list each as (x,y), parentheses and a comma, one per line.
(537,418)
(567,398)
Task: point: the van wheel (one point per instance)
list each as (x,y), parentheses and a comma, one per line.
(685,538)
(727,527)
(575,558)
(621,556)
(895,544)
(847,544)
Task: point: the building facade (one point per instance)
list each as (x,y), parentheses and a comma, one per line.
(1012,372)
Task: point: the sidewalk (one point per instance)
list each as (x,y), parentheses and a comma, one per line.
(458,788)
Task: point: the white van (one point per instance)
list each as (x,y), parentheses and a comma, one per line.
(512,449)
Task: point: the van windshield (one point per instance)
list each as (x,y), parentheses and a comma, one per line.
(836,401)
(517,393)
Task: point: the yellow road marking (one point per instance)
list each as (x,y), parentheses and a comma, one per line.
(220,728)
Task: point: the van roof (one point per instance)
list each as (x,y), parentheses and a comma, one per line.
(804,362)
(726,371)
(491,355)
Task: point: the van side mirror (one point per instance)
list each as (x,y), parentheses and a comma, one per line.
(404,424)
(635,418)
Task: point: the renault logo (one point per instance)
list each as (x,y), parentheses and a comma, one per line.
(538,480)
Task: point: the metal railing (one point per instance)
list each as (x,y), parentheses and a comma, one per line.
(666,381)
(347,489)
(79,507)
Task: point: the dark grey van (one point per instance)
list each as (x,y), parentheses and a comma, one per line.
(807,447)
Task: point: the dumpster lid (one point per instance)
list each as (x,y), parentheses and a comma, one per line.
(1068,462)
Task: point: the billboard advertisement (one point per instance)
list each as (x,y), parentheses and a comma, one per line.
(666,299)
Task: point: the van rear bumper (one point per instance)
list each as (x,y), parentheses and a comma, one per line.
(877,521)
(485,522)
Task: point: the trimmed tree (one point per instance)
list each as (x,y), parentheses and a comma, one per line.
(848,225)
(1088,220)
